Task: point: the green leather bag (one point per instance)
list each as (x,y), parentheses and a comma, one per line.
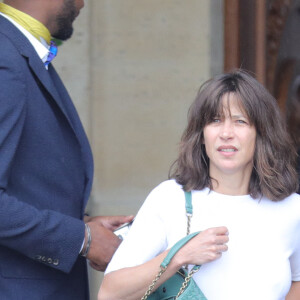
(181,285)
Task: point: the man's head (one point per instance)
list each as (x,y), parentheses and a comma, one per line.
(57,15)
(63,20)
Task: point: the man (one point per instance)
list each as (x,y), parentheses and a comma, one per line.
(46,165)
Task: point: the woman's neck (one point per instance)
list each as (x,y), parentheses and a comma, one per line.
(231,184)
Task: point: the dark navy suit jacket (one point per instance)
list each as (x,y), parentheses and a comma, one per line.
(46,171)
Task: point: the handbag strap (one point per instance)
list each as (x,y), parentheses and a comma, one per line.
(188,210)
(183,241)
(188,203)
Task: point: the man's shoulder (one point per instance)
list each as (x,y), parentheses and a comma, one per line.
(12,40)
(7,30)
(7,37)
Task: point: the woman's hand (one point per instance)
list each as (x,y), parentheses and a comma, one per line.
(207,246)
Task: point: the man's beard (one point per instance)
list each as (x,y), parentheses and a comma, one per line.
(64,21)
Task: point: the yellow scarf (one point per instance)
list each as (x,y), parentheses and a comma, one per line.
(36,28)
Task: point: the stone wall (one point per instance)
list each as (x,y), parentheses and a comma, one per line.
(133,68)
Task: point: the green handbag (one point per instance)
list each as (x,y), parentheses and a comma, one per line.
(181,285)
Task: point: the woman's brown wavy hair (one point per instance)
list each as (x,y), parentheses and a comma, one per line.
(273,175)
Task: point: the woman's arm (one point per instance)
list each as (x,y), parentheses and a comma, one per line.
(294,293)
(132,283)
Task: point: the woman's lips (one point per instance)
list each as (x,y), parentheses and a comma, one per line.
(227,149)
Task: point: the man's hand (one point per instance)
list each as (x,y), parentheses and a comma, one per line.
(104,242)
(109,222)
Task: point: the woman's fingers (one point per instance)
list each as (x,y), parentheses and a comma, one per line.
(222,230)
(210,244)
(219,248)
(214,236)
(221,239)
(205,247)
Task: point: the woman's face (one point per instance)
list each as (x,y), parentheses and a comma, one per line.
(230,140)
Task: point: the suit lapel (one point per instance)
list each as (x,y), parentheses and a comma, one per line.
(45,79)
(76,124)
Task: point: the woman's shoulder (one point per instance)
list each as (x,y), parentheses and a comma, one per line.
(291,213)
(293,200)
(291,206)
(169,186)
(166,190)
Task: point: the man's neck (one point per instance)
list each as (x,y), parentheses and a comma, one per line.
(32,25)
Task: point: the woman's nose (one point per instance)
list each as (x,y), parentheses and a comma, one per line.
(226,130)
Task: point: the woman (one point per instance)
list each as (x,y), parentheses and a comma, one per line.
(239,163)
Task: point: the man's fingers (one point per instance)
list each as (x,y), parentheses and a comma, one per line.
(113,222)
(119,220)
(109,222)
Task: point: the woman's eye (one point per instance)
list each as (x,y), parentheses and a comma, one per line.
(241,121)
(216,120)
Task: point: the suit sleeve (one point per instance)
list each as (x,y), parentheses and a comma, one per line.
(46,236)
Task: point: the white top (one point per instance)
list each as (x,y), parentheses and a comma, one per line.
(263,254)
